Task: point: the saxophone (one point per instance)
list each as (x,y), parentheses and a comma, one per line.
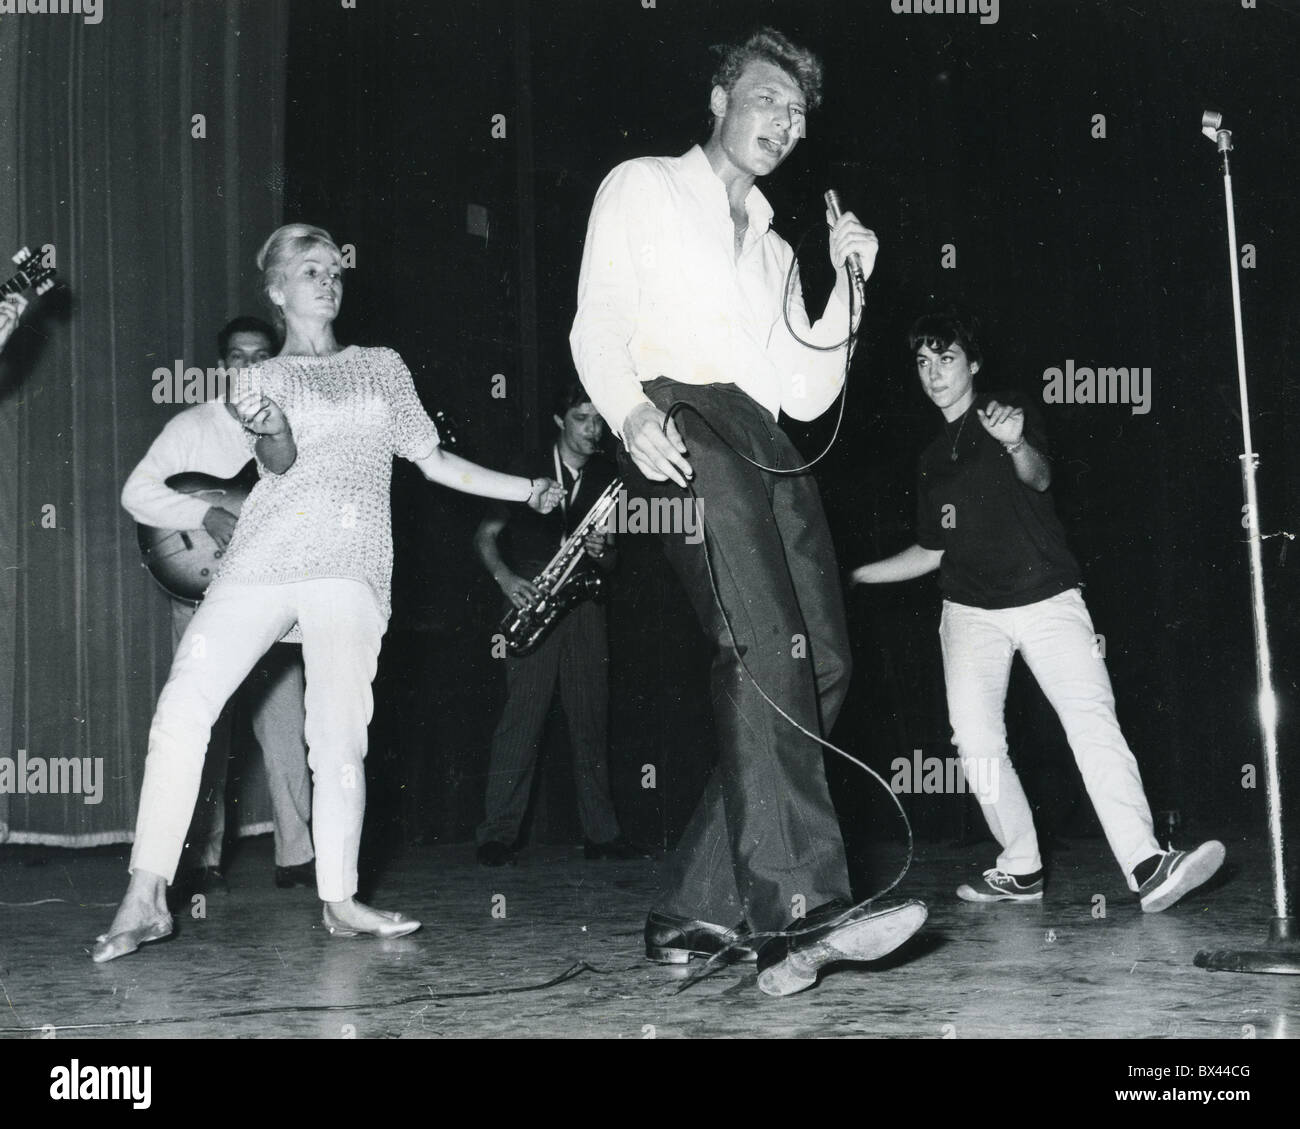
(523,628)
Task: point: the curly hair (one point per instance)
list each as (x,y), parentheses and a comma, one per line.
(770,46)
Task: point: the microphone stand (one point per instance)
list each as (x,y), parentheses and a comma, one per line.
(1281,952)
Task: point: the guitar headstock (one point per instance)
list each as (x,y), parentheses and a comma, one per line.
(32,274)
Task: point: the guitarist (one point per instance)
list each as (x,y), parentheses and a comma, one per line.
(11,309)
(209,438)
(575,654)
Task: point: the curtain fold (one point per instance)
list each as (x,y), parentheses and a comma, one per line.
(8,421)
(155,217)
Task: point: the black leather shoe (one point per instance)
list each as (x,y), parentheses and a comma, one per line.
(495,854)
(618,848)
(674,940)
(304,874)
(790,964)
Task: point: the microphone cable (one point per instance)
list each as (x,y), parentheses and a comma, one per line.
(846,344)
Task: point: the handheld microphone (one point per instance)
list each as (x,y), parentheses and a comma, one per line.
(854,261)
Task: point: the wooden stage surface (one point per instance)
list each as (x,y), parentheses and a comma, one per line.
(566,958)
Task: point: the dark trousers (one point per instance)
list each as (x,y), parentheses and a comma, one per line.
(576,655)
(764,843)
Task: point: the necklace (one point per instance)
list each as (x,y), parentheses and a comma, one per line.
(957,437)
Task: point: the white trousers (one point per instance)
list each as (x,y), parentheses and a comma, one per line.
(1057,641)
(342,629)
(273,694)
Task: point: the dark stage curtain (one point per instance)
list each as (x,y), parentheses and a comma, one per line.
(155,230)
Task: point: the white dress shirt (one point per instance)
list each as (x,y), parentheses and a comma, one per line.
(662,293)
(203,438)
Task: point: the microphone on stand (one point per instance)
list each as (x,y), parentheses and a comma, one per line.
(1280,953)
(854,260)
(1211,123)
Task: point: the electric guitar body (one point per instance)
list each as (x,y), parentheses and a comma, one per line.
(184,561)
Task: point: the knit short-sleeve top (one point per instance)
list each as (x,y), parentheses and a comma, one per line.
(328,515)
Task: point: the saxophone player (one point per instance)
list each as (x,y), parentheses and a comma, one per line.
(515,546)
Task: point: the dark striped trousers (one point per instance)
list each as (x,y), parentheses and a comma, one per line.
(764,842)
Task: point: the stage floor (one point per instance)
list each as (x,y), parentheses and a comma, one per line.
(260,963)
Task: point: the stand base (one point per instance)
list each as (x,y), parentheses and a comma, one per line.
(1281,957)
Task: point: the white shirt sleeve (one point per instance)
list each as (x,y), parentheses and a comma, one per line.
(609,291)
(146,497)
(810,380)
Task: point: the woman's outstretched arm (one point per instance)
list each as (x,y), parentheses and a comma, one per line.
(447,469)
(912,562)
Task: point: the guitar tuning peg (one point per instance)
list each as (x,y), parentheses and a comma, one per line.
(48,284)
(21,256)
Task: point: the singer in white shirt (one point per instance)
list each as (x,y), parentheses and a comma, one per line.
(664,293)
(680,300)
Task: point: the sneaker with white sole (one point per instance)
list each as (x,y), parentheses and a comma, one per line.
(998,886)
(1179,873)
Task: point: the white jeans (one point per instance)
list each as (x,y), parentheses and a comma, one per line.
(273,693)
(342,628)
(1057,641)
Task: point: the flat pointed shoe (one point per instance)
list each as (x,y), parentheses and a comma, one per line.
(123,944)
(397,926)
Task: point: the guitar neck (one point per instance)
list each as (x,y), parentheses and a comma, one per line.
(15,285)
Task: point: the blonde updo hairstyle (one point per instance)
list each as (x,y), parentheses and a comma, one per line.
(281,248)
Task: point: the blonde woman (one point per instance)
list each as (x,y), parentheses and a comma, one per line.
(310,561)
